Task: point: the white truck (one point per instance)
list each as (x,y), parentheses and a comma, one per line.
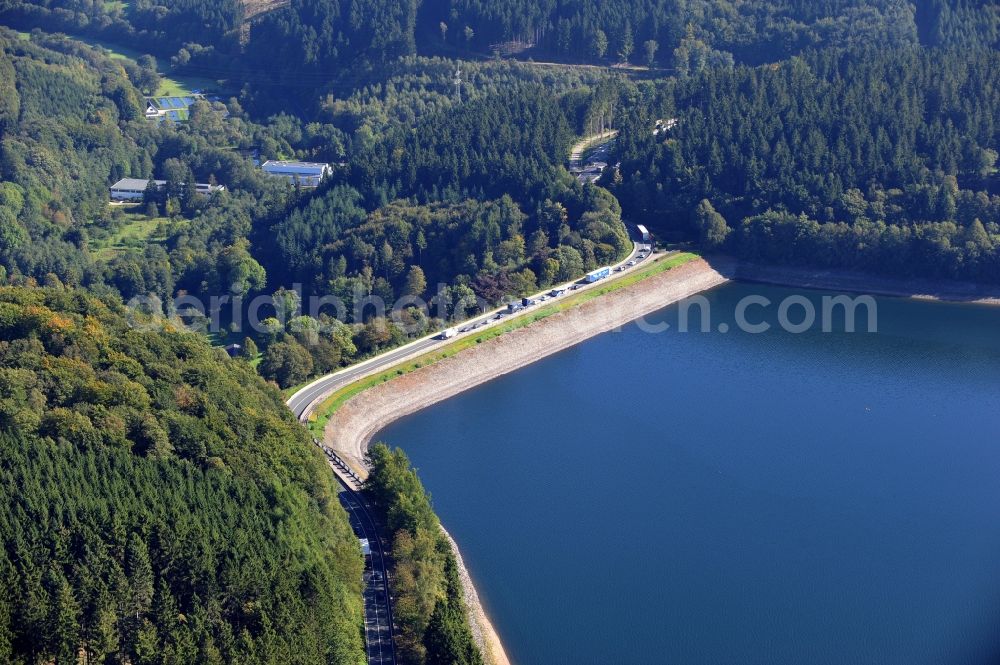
(448,334)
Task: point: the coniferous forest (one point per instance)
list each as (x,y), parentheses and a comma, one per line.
(159,503)
(880,162)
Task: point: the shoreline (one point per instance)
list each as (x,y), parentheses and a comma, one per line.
(831,279)
(351,428)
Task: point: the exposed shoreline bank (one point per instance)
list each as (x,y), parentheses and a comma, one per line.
(350,430)
(859,282)
(353,426)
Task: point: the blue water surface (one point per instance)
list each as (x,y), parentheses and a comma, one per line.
(735,498)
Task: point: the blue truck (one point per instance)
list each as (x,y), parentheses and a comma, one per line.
(597,275)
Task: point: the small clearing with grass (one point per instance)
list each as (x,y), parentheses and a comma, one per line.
(171,85)
(133,230)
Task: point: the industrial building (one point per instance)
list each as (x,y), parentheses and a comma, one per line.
(304,174)
(133,189)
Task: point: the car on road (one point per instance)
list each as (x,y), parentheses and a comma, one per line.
(630,264)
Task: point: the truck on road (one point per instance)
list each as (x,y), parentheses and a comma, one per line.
(448,334)
(597,275)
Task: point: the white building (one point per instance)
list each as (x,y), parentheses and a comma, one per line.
(205,189)
(133,189)
(306,174)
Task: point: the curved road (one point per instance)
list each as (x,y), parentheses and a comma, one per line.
(303,402)
(379,639)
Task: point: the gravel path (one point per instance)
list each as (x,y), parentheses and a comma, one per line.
(352,427)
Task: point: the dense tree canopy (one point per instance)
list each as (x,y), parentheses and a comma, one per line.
(318,35)
(429,600)
(159,25)
(684,32)
(878,160)
(60,145)
(160,505)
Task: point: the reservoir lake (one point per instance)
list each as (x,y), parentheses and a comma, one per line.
(726,498)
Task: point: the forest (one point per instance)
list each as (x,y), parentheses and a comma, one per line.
(148,24)
(160,504)
(321,35)
(414,210)
(185,488)
(61,144)
(304,54)
(429,603)
(882,161)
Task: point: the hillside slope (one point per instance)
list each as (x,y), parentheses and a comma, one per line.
(158,504)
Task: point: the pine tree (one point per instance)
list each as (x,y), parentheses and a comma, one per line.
(712,225)
(416,283)
(248,350)
(64,625)
(140,575)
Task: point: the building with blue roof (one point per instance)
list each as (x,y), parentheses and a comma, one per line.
(304,174)
(173,109)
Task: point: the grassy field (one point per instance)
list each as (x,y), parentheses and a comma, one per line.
(134,233)
(116,51)
(170,86)
(181,86)
(320,417)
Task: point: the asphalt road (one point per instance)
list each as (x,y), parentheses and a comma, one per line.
(379,643)
(378,609)
(303,402)
(377,599)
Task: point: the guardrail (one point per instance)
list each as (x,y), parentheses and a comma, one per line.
(340,464)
